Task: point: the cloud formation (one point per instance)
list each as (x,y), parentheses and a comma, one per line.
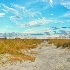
(67,14)
(2,14)
(9,9)
(36,14)
(65,3)
(24,15)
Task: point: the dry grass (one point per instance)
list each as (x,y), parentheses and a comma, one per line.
(60,42)
(20,58)
(14,48)
(18,48)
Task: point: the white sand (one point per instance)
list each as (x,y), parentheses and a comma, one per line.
(49,58)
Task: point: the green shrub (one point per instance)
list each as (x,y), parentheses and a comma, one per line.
(58,45)
(65,45)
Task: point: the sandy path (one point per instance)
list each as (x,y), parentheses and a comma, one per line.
(49,58)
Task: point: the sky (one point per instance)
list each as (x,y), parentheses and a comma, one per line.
(32,16)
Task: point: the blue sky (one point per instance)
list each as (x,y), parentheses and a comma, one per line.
(33,16)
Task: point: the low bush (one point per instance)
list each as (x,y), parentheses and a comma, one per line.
(65,45)
(58,45)
(60,42)
(69,45)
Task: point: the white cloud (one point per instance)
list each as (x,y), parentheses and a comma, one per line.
(18,6)
(27,12)
(29,18)
(36,22)
(47,1)
(13,19)
(34,30)
(51,14)
(2,14)
(10,27)
(66,3)
(5,10)
(67,14)
(51,1)
(39,30)
(8,9)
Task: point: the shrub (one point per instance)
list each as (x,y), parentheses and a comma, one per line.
(65,45)
(69,45)
(58,45)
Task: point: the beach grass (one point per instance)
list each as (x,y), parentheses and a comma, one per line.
(60,42)
(15,48)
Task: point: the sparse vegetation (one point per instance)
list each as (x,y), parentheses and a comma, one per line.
(15,48)
(65,45)
(58,45)
(60,42)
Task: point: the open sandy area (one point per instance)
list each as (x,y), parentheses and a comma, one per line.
(49,58)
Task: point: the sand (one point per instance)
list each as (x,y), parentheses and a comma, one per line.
(49,58)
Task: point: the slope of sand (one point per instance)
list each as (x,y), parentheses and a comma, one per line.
(49,58)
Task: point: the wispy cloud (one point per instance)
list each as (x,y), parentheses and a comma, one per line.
(42,22)
(29,16)
(67,14)
(47,1)
(2,14)
(65,3)
(51,2)
(26,11)
(36,23)
(10,26)
(34,30)
(9,9)
(20,14)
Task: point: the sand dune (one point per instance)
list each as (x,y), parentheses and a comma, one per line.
(49,58)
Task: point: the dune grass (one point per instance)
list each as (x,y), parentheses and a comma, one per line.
(60,42)
(14,48)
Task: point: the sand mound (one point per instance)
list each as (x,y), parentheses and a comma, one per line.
(49,58)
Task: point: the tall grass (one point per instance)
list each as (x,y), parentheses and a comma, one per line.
(16,47)
(13,47)
(60,42)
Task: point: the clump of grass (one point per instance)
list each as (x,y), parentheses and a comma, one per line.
(60,42)
(20,58)
(65,45)
(58,45)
